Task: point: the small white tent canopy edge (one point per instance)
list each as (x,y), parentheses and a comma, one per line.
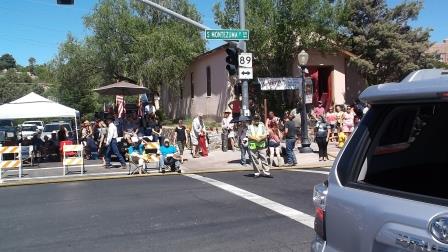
(33,105)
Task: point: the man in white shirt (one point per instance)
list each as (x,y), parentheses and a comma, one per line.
(196,130)
(111,144)
(227,130)
(150,108)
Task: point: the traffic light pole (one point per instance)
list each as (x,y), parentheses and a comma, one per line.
(245,87)
(176,15)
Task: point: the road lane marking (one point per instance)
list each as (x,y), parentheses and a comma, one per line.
(59,167)
(68,176)
(310,171)
(291,213)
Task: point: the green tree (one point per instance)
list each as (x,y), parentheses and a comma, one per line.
(388,48)
(75,74)
(7,61)
(280,29)
(136,43)
(14,85)
(31,64)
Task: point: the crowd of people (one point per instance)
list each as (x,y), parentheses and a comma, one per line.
(48,148)
(273,142)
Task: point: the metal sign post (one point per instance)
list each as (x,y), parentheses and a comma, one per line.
(245,87)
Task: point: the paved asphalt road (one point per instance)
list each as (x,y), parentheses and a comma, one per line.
(159,213)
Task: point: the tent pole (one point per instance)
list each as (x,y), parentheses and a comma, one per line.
(76,128)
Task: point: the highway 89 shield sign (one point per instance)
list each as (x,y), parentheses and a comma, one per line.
(245,73)
(245,60)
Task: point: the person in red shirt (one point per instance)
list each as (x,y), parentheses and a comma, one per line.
(318,111)
(235,106)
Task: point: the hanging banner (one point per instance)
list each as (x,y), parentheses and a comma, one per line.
(308,91)
(272,84)
(268,84)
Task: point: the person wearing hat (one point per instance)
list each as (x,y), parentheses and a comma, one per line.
(169,157)
(197,131)
(111,144)
(86,131)
(257,134)
(227,128)
(318,111)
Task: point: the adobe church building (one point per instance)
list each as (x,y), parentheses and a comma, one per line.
(206,88)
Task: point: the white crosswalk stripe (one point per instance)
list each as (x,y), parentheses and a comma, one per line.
(294,214)
(311,171)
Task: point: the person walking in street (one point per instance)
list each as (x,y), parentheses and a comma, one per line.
(323,131)
(180,138)
(243,141)
(111,144)
(257,135)
(291,136)
(275,136)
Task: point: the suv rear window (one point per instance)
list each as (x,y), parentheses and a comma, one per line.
(408,151)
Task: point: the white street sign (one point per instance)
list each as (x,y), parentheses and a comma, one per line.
(245,73)
(245,60)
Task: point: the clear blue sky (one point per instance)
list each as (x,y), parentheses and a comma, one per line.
(35,28)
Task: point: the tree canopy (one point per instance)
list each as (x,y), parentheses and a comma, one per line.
(130,41)
(14,85)
(280,29)
(7,61)
(388,48)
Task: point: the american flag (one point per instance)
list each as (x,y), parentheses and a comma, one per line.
(119,101)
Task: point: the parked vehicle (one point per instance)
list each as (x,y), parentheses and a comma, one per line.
(40,124)
(387,190)
(27,131)
(8,133)
(50,127)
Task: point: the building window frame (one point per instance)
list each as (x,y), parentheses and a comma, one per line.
(209,81)
(191,86)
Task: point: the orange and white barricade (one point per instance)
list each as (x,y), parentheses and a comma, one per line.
(15,163)
(75,159)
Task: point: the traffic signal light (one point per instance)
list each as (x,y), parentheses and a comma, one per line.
(232,61)
(66,1)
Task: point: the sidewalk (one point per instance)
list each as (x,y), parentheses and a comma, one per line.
(217,161)
(230,161)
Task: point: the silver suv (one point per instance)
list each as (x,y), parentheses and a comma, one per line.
(388,188)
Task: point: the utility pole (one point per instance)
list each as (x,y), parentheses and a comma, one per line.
(242,45)
(245,87)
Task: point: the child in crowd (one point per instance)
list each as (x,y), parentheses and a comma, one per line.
(341,138)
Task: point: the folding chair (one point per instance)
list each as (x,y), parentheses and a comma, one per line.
(139,162)
(72,155)
(27,155)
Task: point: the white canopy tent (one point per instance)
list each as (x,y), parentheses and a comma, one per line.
(33,105)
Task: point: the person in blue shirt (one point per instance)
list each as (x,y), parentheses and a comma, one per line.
(169,157)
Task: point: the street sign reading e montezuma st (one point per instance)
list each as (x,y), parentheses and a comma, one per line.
(227,34)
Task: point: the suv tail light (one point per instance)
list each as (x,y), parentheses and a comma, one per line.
(319,200)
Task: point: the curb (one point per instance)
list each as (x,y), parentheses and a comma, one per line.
(105,177)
